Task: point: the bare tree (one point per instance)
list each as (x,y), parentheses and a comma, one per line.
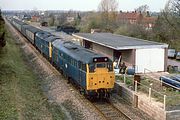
(51,19)
(173,6)
(62,18)
(143,9)
(108,6)
(171,15)
(108,10)
(167,27)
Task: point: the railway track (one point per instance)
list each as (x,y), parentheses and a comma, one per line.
(109,111)
(105,108)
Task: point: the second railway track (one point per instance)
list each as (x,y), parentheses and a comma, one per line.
(109,111)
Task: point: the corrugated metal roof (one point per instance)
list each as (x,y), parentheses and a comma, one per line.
(119,42)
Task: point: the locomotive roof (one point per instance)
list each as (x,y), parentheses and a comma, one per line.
(75,51)
(43,34)
(47,36)
(51,38)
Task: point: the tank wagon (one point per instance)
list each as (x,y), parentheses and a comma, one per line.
(173,80)
(92,72)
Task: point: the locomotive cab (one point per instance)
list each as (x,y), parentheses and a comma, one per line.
(100,76)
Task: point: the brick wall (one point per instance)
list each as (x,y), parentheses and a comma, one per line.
(124,92)
(157,112)
(152,110)
(129,56)
(173,115)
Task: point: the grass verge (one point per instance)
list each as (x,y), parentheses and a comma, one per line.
(20,94)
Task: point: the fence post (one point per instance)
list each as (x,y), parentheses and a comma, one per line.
(135,86)
(124,78)
(144,70)
(150,94)
(161,82)
(164,102)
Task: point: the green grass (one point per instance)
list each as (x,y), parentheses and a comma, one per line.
(21,96)
(158,92)
(129,79)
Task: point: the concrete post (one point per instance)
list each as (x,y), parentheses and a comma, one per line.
(150,94)
(161,82)
(164,102)
(144,70)
(135,86)
(124,78)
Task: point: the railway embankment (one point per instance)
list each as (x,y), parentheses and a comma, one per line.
(61,97)
(20,94)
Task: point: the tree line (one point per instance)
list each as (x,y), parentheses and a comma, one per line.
(166,28)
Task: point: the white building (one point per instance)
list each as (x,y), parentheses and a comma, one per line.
(144,55)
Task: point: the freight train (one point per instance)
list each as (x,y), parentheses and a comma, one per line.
(92,72)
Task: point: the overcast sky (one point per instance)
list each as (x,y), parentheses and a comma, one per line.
(83,5)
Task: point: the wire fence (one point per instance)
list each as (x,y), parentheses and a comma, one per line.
(155,90)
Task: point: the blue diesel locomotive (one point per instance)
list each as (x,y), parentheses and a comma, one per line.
(92,72)
(43,42)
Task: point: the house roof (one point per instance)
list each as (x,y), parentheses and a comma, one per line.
(129,15)
(119,42)
(149,19)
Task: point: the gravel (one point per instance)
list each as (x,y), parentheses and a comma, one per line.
(132,112)
(58,91)
(55,86)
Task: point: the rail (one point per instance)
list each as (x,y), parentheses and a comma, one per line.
(112,109)
(109,111)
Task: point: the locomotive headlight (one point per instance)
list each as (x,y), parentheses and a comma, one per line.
(105,59)
(95,60)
